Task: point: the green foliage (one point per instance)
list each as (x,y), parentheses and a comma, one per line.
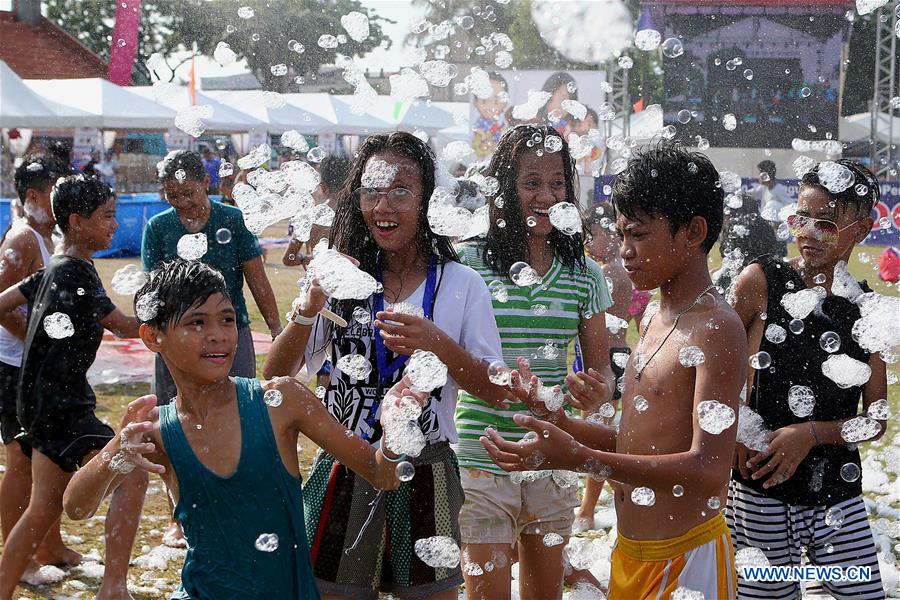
(171,25)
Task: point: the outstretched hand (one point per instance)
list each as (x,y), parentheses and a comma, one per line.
(525,387)
(553,448)
(140,418)
(404,334)
(587,390)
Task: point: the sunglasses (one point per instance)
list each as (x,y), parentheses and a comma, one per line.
(819,229)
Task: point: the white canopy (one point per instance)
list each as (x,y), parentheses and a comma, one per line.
(859,127)
(338,110)
(225,119)
(20,106)
(116,107)
(274,110)
(411,115)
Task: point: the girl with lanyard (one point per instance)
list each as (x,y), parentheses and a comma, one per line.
(503,517)
(429,301)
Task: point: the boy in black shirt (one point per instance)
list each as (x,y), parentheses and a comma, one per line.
(799,486)
(67,312)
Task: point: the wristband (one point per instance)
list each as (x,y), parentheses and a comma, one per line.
(399,459)
(302,320)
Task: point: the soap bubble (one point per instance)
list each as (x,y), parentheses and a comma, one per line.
(834,517)
(796,326)
(223,235)
(267,542)
(58,326)
(361,315)
(192,246)
(523,275)
(760,360)
(246,12)
(499,373)
(672,47)
(498,291)
(426,371)
(643,496)
(830,341)
(405,471)
(273,398)
(677,490)
(776,333)
(850,472)
(553,539)
(714,417)
(647,39)
(128,280)
(801,400)
(437,551)
(355,365)
(691,356)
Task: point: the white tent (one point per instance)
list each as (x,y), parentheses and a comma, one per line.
(339,111)
(20,106)
(117,107)
(274,110)
(225,119)
(859,127)
(409,116)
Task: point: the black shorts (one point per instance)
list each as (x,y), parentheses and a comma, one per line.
(9,388)
(67,436)
(617,370)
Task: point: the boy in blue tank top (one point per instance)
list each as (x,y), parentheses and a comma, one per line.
(225,447)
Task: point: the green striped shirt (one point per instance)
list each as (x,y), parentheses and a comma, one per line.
(532,322)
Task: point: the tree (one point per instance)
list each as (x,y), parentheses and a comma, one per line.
(264,39)
(470,26)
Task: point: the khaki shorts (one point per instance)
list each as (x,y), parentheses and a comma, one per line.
(498,511)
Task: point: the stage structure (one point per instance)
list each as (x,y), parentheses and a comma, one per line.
(883,146)
(753,74)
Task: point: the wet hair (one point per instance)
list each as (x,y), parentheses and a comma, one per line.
(60,151)
(180,160)
(557,80)
(334,169)
(496,76)
(77,194)
(507,245)
(659,182)
(37,172)
(862,204)
(767,167)
(350,234)
(174,288)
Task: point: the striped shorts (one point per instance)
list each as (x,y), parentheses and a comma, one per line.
(782,531)
(337,503)
(699,560)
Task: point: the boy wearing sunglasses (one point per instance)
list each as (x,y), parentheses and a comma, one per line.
(797,486)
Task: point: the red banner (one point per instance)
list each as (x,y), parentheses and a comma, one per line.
(124,41)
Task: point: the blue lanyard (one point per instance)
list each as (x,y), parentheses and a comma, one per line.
(385,370)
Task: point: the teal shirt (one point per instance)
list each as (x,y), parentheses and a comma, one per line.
(223,517)
(160,242)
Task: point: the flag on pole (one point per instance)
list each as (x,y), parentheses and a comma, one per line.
(192,81)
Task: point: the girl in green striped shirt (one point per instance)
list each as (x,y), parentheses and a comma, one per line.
(503,516)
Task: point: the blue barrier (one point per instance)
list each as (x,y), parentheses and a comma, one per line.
(132,212)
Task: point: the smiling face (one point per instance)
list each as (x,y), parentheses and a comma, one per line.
(395,230)
(852,228)
(540,183)
(201,343)
(650,253)
(97,231)
(188,197)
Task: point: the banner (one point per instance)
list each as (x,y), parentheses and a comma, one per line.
(886,213)
(125,37)
(497,92)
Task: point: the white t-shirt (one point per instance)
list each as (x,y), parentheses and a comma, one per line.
(462,310)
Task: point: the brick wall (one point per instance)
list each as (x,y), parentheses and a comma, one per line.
(45,51)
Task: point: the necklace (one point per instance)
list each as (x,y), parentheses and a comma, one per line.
(640,366)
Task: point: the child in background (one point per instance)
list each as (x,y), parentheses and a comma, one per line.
(226,448)
(26,248)
(671,453)
(537,321)
(67,312)
(628,307)
(801,487)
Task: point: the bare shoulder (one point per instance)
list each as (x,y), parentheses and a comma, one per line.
(751,282)
(289,401)
(717,325)
(20,240)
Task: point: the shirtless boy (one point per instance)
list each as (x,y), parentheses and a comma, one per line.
(677,432)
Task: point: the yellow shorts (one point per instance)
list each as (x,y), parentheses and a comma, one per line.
(701,560)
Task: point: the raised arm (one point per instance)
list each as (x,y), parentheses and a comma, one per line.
(120,324)
(288,351)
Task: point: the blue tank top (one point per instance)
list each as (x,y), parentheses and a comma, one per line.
(223,517)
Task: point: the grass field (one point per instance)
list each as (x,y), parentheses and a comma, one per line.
(150,581)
